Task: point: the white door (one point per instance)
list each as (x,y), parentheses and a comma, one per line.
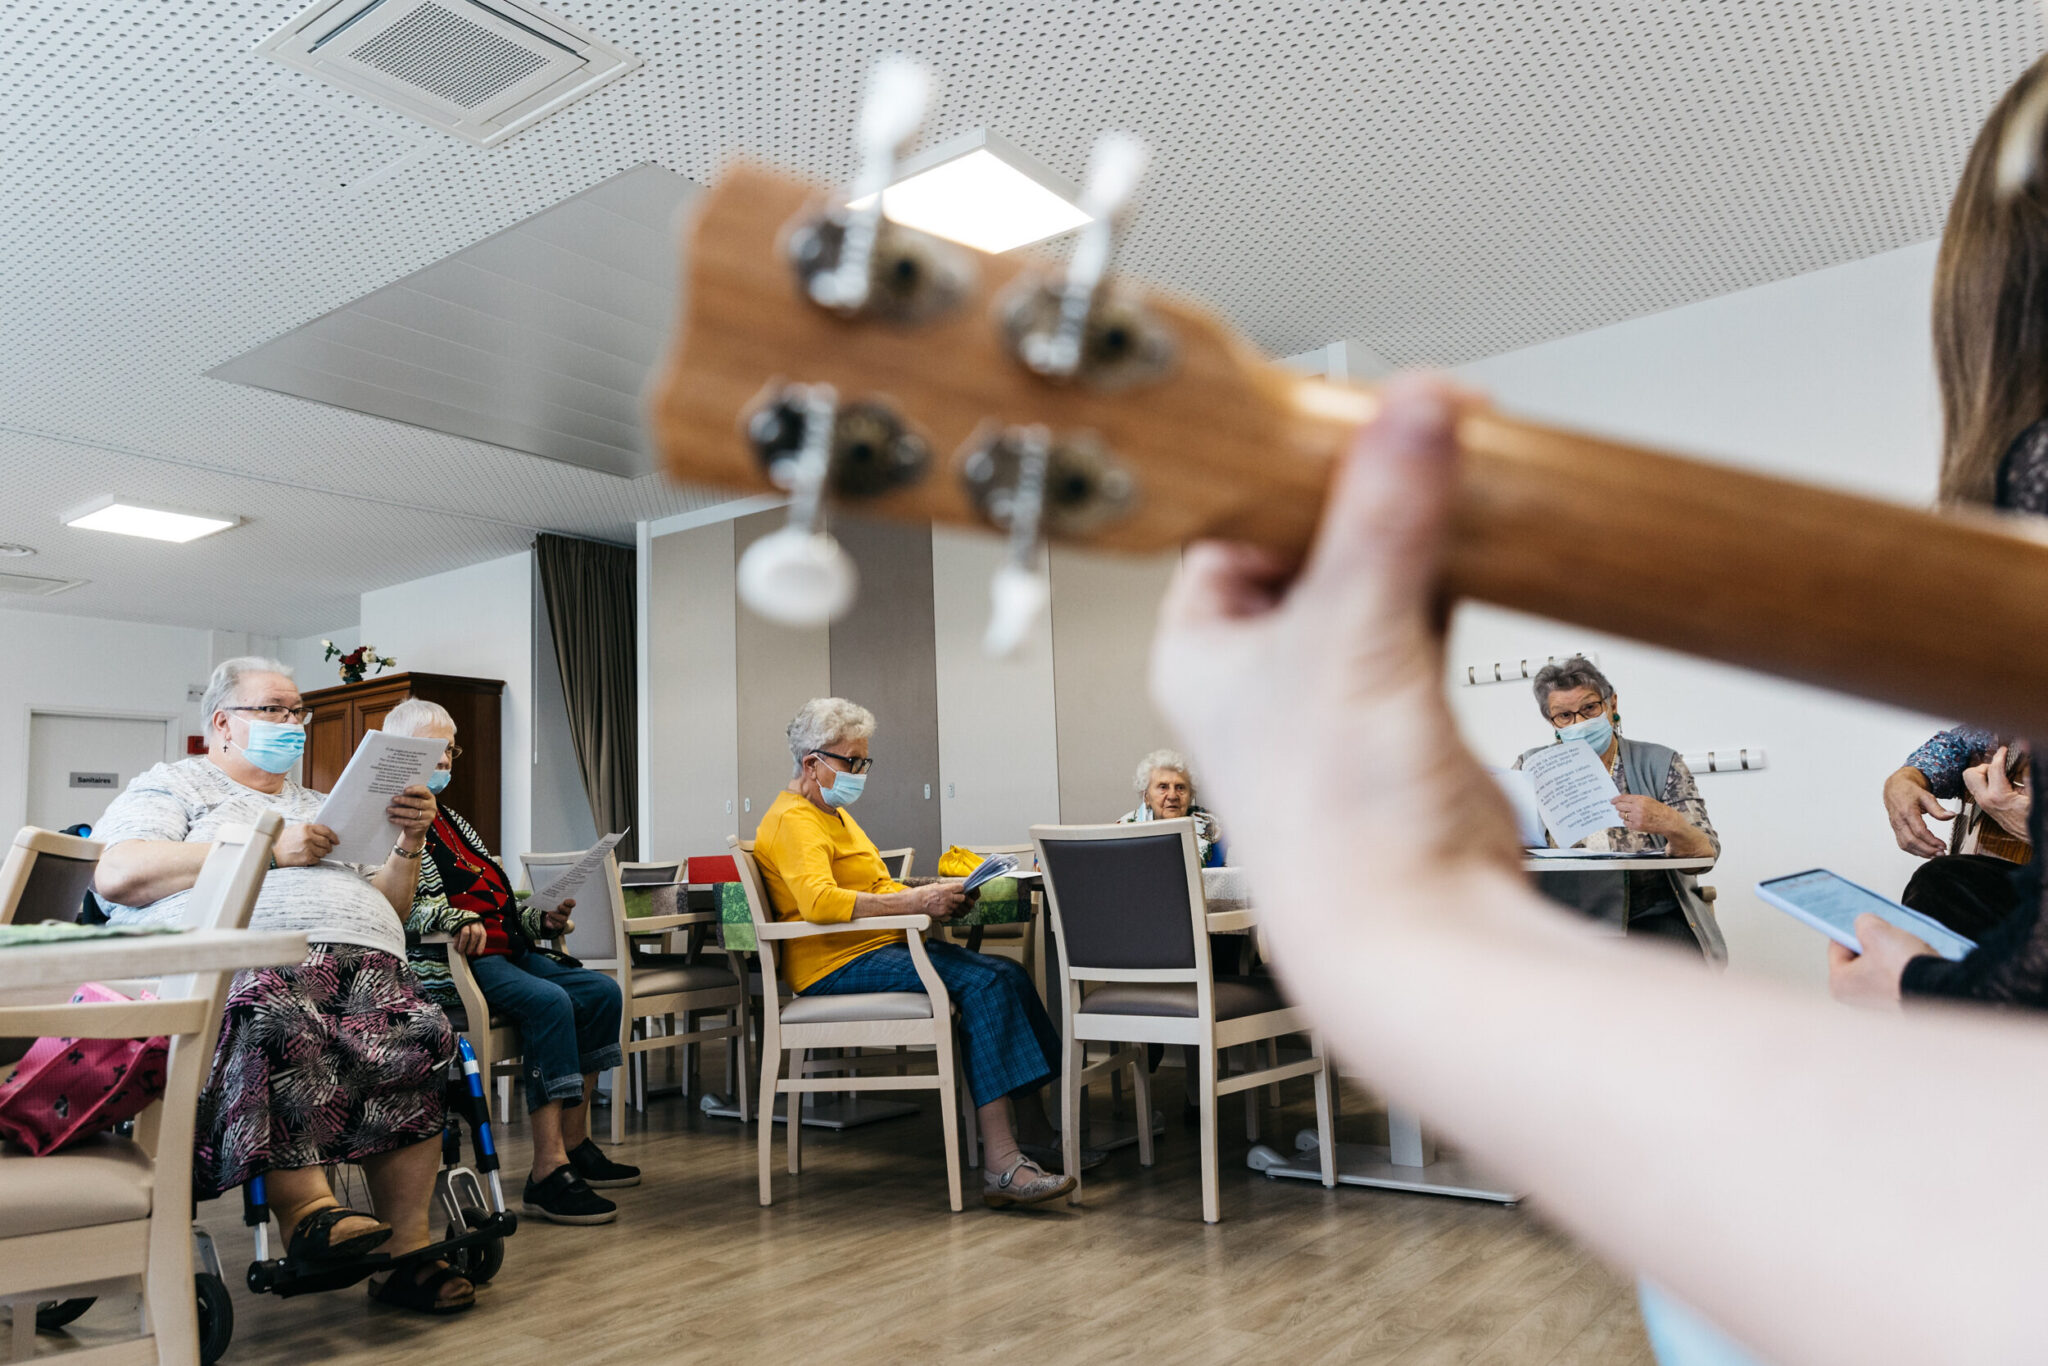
(77,764)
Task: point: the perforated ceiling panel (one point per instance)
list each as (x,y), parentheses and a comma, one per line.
(1438,180)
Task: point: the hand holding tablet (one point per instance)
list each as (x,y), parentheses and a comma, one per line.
(1830,903)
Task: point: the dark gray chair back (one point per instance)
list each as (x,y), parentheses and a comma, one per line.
(56,889)
(1123,900)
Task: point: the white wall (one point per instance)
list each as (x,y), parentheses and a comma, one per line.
(490,636)
(305,656)
(1826,377)
(87,665)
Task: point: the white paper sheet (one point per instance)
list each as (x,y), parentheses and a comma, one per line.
(1520,790)
(575,875)
(1574,792)
(990,868)
(382,767)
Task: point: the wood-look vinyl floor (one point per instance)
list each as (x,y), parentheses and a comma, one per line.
(860,1260)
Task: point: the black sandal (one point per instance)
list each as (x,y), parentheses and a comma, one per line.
(402,1291)
(313,1240)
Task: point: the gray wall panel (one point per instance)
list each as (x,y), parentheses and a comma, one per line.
(884,657)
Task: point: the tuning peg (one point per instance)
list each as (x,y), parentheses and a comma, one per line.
(1020,590)
(850,259)
(798,575)
(1073,327)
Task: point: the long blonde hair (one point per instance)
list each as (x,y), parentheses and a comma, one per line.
(1991,311)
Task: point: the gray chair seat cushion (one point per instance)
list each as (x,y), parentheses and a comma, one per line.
(683,977)
(1235,998)
(105,1180)
(853,1006)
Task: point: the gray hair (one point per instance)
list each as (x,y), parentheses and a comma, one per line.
(414,715)
(825,722)
(1576,672)
(1158,759)
(226,684)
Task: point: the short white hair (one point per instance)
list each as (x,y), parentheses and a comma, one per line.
(825,723)
(414,715)
(1158,759)
(226,684)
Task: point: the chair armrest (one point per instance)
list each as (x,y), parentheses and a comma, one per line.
(803,929)
(437,939)
(1229,922)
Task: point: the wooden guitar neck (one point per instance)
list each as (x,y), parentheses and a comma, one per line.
(1943,612)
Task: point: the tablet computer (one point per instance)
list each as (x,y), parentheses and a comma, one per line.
(1830,903)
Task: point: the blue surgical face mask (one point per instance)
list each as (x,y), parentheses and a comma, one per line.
(1597,731)
(845,789)
(437,781)
(273,746)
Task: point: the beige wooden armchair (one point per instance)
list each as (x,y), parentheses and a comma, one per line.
(116,1209)
(877,1019)
(685,990)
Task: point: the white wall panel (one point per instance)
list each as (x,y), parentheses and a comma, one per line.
(998,740)
(1105,609)
(691,699)
(1826,377)
(476,622)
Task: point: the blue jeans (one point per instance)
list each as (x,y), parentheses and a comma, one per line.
(1012,1047)
(568,1021)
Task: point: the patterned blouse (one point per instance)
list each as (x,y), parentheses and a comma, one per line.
(1944,757)
(1680,793)
(449,891)
(2010,966)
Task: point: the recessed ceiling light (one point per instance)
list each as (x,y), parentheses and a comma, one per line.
(127,517)
(982,190)
(14,551)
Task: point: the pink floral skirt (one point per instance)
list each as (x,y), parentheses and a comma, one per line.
(340,1058)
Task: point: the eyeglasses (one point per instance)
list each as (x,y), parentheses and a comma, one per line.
(286,716)
(1585,713)
(853,765)
(454,752)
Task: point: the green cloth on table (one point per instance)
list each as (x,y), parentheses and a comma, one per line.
(735,921)
(639,902)
(63,932)
(1001,903)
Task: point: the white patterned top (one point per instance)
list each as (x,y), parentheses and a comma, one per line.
(192,800)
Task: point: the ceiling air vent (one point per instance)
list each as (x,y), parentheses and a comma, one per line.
(34,585)
(483,70)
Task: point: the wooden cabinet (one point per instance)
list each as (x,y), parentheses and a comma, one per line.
(341,715)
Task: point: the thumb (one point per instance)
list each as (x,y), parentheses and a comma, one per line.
(1377,552)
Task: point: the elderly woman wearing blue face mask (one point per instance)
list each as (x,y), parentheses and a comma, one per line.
(567,1015)
(336,1059)
(1658,811)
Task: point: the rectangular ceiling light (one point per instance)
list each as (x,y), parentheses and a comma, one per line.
(982,190)
(126,517)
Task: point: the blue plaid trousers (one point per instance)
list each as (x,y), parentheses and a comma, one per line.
(1012,1047)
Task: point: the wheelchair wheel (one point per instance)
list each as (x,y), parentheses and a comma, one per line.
(53,1314)
(482,1261)
(216,1318)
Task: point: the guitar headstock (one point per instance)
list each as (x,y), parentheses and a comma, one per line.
(964,384)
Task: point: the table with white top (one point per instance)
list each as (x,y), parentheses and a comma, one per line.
(30,973)
(1409,1160)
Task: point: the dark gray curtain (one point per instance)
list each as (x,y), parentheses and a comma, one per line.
(589,588)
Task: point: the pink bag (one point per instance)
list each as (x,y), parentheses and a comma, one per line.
(66,1090)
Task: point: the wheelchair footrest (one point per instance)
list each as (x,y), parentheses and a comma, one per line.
(281,1276)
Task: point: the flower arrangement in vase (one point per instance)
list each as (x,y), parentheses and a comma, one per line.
(354,662)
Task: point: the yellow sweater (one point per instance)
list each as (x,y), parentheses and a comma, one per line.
(812,863)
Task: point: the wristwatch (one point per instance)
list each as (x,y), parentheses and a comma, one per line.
(406,853)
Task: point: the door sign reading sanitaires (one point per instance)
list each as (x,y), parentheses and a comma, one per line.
(95,780)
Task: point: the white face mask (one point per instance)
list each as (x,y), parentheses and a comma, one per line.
(845,789)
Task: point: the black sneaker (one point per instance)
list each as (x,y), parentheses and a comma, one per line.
(598,1171)
(565,1199)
